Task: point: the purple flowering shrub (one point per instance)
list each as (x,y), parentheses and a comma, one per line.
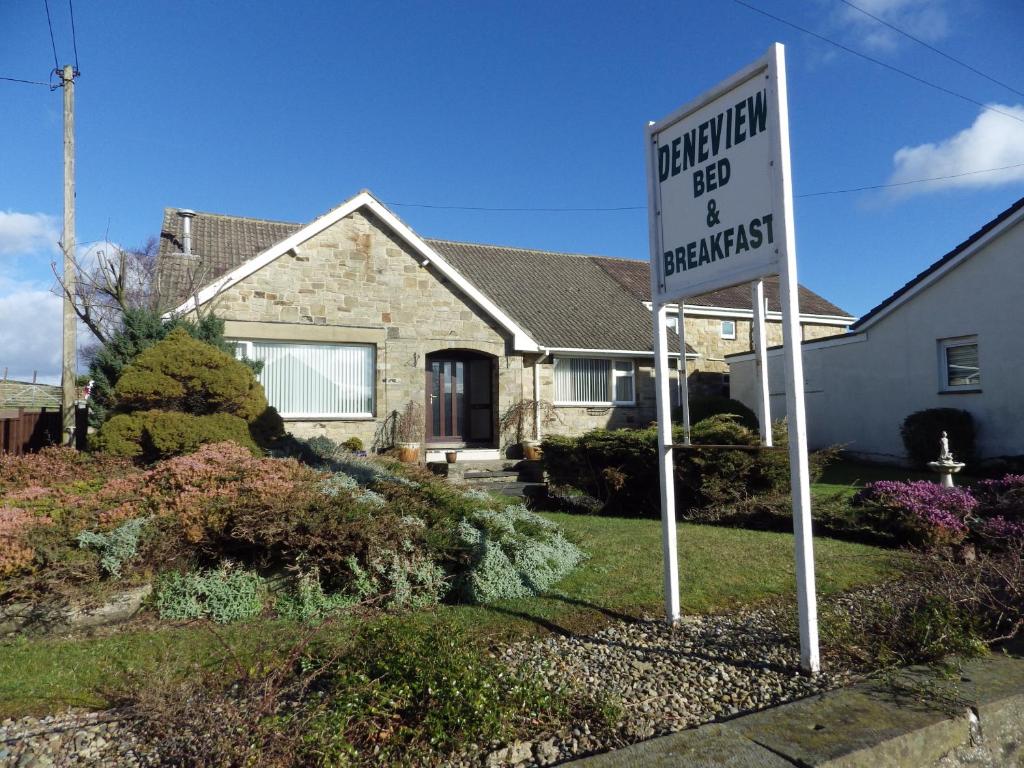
(921,513)
(1000,509)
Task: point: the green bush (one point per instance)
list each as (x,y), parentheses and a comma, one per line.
(922,430)
(181,393)
(704,406)
(620,467)
(307,602)
(155,435)
(224,595)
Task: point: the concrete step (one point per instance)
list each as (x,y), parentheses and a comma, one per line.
(519,490)
(490,476)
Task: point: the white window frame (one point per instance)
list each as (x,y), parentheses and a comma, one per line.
(244,349)
(724,333)
(612,376)
(672,323)
(951,343)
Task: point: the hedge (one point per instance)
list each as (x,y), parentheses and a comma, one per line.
(922,430)
(620,468)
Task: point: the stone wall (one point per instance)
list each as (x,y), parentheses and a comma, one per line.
(356,282)
(705,335)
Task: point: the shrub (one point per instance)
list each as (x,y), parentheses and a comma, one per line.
(353,444)
(619,467)
(180,393)
(307,602)
(15,554)
(921,432)
(513,553)
(404,578)
(920,513)
(140,329)
(705,406)
(116,547)
(1000,510)
(224,595)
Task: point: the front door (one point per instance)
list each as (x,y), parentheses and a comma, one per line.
(459,399)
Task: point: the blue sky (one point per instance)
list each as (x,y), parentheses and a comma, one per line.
(284,110)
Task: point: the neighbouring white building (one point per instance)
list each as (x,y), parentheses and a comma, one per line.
(953,337)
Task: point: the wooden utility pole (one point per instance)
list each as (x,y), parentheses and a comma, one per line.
(67,379)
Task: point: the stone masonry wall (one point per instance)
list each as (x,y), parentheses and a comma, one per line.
(705,335)
(359,282)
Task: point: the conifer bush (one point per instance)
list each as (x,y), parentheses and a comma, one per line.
(180,393)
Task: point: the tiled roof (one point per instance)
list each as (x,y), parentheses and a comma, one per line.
(220,243)
(635,276)
(23,394)
(562,299)
(1017,206)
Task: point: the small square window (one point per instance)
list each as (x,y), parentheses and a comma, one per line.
(959,367)
(728,329)
(672,323)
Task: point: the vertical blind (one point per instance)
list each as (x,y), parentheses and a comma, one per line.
(589,380)
(962,365)
(317,379)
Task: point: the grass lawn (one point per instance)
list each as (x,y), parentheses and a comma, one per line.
(720,568)
(847,477)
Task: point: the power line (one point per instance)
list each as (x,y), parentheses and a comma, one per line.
(932,48)
(53,44)
(912,181)
(644,207)
(27,82)
(879,62)
(74,37)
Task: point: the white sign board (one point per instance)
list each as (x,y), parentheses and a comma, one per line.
(717,191)
(720,201)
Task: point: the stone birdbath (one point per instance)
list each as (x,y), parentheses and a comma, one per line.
(946,466)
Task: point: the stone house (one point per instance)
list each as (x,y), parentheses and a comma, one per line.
(949,338)
(355,315)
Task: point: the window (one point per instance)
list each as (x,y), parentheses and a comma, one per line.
(672,323)
(958,364)
(728,329)
(315,380)
(589,381)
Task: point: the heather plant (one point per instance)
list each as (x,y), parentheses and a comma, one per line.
(15,553)
(115,547)
(512,553)
(54,466)
(921,513)
(224,595)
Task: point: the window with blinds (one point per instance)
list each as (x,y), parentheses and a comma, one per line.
(315,380)
(959,368)
(594,381)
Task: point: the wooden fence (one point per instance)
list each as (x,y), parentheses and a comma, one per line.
(26,430)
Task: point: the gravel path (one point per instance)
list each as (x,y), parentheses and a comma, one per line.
(72,739)
(665,680)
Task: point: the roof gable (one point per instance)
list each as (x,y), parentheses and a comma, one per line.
(521,339)
(1008,218)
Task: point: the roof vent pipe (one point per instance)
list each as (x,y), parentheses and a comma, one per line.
(186,230)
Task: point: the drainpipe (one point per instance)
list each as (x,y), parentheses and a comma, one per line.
(536,392)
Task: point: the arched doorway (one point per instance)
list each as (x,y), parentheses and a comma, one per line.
(461,396)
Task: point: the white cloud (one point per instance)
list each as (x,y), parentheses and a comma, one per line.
(925,19)
(993,141)
(30,331)
(25,233)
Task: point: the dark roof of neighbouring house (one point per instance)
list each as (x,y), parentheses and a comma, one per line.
(25,394)
(635,276)
(953,254)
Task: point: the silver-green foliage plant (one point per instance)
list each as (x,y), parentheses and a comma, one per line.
(307,602)
(226,594)
(115,547)
(404,579)
(515,553)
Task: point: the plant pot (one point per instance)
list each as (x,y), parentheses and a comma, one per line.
(451,456)
(409,452)
(532,450)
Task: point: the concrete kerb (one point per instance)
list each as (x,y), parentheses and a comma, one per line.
(972,717)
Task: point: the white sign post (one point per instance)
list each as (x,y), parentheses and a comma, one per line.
(720,206)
